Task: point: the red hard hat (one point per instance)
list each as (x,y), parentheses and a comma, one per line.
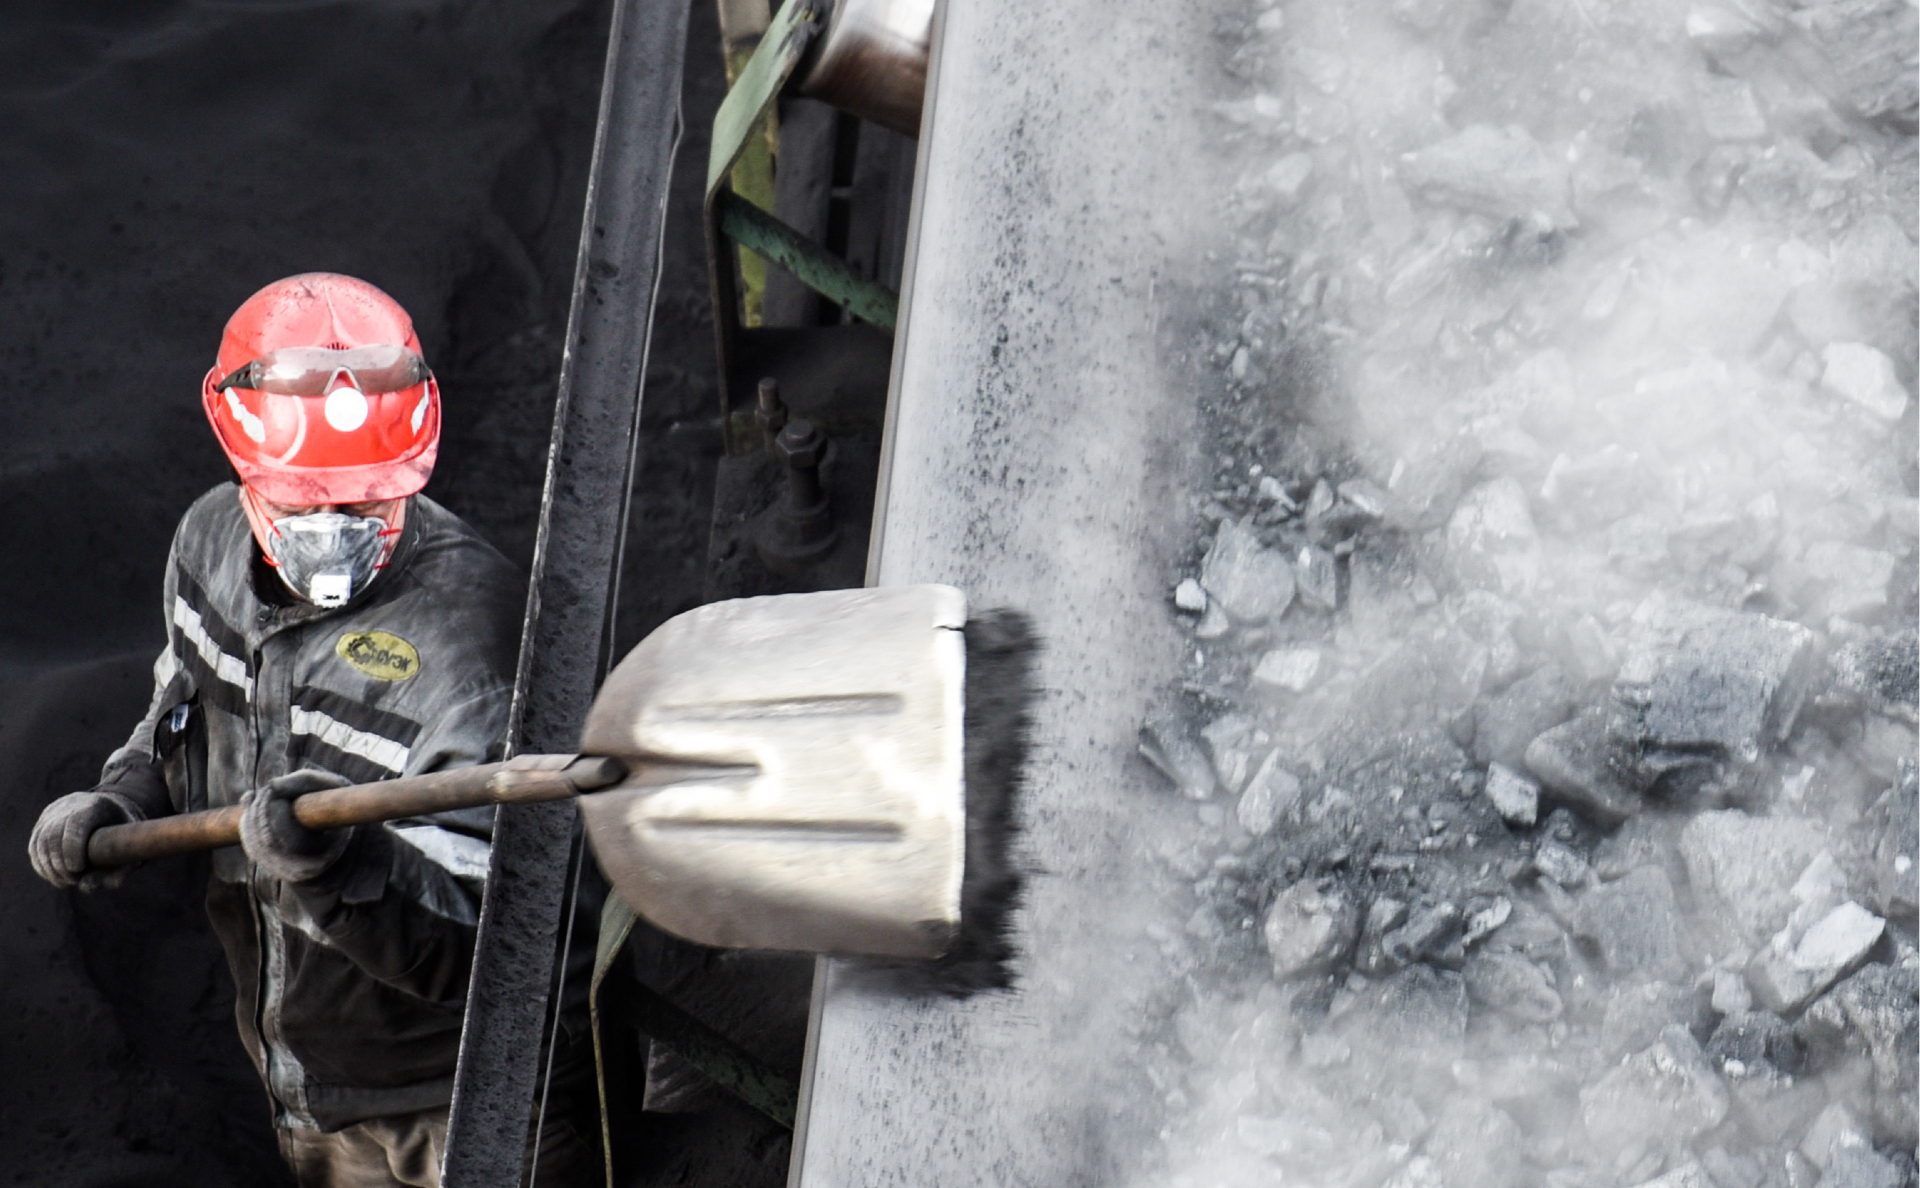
(320,395)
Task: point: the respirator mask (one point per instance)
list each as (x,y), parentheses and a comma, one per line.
(327,557)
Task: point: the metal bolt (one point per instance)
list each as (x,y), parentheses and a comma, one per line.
(769,410)
(801,445)
(798,529)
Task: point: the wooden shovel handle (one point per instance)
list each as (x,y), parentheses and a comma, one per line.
(524,779)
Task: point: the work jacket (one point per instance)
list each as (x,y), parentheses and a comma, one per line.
(350,987)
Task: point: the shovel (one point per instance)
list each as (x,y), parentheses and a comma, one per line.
(770,773)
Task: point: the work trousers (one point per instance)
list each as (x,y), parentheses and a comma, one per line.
(405,1151)
(398,1152)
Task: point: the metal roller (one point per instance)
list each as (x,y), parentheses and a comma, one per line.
(872,61)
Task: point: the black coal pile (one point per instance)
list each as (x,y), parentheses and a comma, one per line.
(1549,716)
(165,158)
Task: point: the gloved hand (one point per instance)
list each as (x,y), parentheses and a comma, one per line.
(58,845)
(273,837)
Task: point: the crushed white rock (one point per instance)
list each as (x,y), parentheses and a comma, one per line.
(1515,797)
(1865,376)
(1188,596)
(1288,668)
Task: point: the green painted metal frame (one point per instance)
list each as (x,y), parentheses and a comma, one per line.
(732,219)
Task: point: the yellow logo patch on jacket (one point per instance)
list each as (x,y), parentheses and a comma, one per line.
(381,655)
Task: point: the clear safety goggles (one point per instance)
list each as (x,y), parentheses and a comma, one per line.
(310,371)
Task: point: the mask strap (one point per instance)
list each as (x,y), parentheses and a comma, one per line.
(391,537)
(263,529)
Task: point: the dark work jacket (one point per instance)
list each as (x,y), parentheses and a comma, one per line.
(351,987)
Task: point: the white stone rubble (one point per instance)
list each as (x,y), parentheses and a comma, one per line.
(1786,976)
(1251,582)
(1865,376)
(1189,596)
(1288,668)
(1514,796)
(1563,357)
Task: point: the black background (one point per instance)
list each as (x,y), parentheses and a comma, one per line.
(163,159)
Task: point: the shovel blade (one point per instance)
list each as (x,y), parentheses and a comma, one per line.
(822,805)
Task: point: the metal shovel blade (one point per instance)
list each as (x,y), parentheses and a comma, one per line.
(822,809)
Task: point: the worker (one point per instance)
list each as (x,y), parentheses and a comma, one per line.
(328,624)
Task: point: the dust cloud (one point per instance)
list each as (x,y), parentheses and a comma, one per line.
(1549,713)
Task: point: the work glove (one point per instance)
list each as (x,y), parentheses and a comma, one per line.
(58,845)
(275,839)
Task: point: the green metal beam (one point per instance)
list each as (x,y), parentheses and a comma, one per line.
(773,60)
(812,265)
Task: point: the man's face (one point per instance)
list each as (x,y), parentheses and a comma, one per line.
(263,513)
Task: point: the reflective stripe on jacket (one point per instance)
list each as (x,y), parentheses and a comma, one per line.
(350,988)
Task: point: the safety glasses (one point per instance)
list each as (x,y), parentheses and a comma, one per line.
(310,371)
